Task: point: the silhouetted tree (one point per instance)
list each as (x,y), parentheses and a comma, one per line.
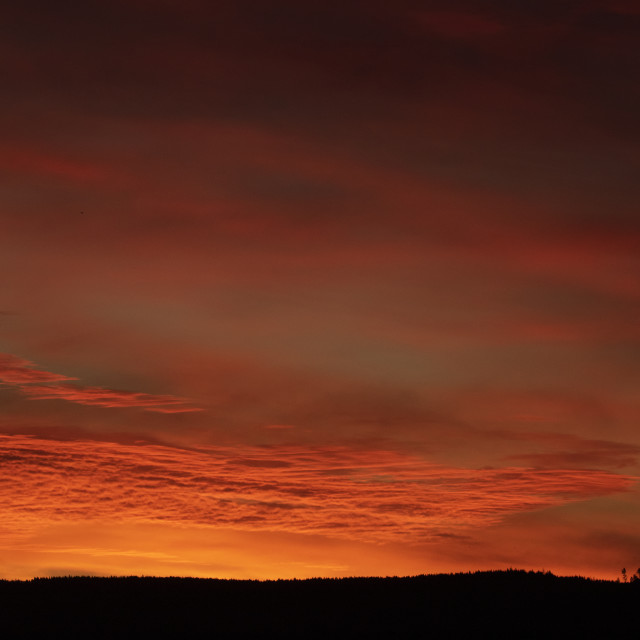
(624,574)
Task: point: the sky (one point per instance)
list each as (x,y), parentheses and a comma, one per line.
(294,289)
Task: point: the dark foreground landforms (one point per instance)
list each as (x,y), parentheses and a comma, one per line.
(497,604)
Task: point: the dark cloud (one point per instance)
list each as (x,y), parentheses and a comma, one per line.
(329,61)
(570,451)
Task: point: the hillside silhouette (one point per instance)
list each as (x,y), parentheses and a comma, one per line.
(495,604)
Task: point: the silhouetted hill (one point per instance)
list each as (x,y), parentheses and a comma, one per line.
(496,604)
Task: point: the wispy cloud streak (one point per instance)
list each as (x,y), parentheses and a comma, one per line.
(355,494)
(44,385)
(17,371)
(98,396)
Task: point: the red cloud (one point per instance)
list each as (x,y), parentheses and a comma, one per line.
(35,162)
(24,375)
(100,397)
(17,371)
(354,494)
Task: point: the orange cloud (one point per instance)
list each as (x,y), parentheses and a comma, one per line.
(23,374)
(365,495)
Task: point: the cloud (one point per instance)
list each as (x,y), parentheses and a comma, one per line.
(17,371)
(570,451)
(279,426)
(100,397)
(32,162)
(24,375)
(366,495)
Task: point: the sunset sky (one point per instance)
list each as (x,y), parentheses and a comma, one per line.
(297,288)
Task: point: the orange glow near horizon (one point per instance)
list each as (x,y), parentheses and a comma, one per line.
(344,496)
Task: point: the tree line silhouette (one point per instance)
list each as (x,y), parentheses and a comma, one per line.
(634,578)
(496,604)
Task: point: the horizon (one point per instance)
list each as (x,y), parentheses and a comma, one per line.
(319,289)
(510,570)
